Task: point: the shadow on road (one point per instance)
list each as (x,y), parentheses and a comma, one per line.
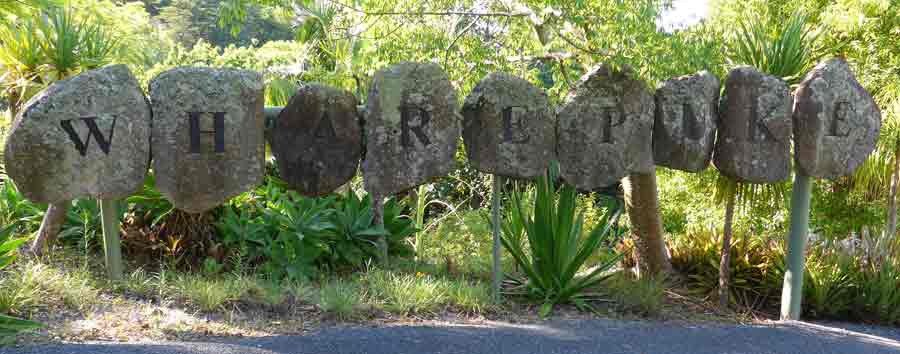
(593,336)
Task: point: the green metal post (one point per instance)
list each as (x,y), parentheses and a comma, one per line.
(792,291)
(111,246)
(495,221)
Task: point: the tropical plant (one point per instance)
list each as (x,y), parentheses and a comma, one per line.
(352,232)
(557,249)
(8,244)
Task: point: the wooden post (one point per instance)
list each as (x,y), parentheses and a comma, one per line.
(378,213)
(111,246)
(495,221)
(792,290)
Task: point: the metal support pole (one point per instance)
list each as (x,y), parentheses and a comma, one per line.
(792,291)
(111,246)
(495,221)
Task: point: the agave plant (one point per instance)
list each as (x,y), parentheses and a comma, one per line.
(557,248)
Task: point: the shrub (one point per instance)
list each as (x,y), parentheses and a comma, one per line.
(340,298)
(558,250)
(645,296)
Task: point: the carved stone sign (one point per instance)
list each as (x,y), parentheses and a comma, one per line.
(836,122)
(86,136)
(604,129)
(317,140)
(754,128)
(684,132)
(412,127)
(208,143)
(508,127)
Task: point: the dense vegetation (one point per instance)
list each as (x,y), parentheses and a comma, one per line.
(441,233)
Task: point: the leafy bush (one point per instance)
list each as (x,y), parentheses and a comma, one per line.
(292,237)
(756,265)
(643,296)
(558,250)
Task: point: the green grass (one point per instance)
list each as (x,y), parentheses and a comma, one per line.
(419,293)
(645,297)
(341,298)
(29,286)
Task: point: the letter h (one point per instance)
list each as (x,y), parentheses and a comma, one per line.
(218,130)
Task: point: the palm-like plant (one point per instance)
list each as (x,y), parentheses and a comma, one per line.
(785,49)
(557,249)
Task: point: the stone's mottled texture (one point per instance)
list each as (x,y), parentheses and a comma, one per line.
(317,140)
(836,122)
(508,127)
(412,127)
(207,140)
(684,132)
(86,136)
(754,128)
(604,128)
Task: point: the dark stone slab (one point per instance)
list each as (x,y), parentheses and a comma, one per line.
(836,122)
(684,133)
(604,129)
(86,136)
(754,128)
(208,143)
(317,141)
(412,127)
(508,127)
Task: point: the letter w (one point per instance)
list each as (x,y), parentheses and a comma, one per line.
(93,130)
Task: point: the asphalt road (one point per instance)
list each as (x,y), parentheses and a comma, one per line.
(556,337)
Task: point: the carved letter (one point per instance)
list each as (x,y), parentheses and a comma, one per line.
(407,113)
(93,130)
(692,128)
(218,130)
(512,125)
(325,129)
(839,125)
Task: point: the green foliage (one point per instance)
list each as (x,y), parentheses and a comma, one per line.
(340,298)
(756,265)
(774,46)
(645,296)
(293,237)
(420,293)
(558,250)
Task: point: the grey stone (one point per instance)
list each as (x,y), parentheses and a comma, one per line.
(836,122)
(317,141)
(754,128)
(86,136)
(207,140)
(412,127)
(508,127)
(684,132)
(604,129)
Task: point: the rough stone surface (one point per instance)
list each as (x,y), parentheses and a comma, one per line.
(604,129)
(207,140)
(836,122)
(508,127)
(412,127)
(754,128)
(684,132)
(86,136)
(317,140)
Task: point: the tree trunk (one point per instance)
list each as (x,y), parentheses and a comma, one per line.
(13,105)
(725,261)
(53,221)
(892,199)
(642,206)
